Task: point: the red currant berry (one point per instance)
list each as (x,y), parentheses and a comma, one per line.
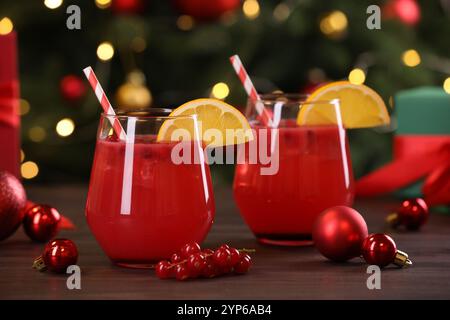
(208,252)
(175,258)
(181,272)
(235,256)
(195,264)
(244,264)
(164,270)
(224,246)
(222,257)
(210,270)
(210,259)
(189,249)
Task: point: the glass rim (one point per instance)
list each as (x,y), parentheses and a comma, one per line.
(292,99)
(146,114)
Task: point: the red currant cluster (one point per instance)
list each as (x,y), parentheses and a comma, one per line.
(192,262)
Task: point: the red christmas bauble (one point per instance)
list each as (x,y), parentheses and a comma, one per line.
(379,249)
(12,204)
(59,254)
(407,11)
(72,88)
(127,6)
(413,213)
(339,232)
(206,9)
(41,222)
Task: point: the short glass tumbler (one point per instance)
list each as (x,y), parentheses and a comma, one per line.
(312,172)
(142,204)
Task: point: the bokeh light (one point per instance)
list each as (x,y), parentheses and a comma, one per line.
(6,26)
(105,51)
(29,170)
(220,90)
(281,12)
(37,134)
(334,24)
(251,9)
(65,127)
(446,85)
(53,4)
(185,22)
(338,20)
(357,76)
(24,107)
(102,4)
(411,58)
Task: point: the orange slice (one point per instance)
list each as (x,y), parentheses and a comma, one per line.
(361,107)
(219,123)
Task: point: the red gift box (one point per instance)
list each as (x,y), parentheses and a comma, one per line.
(9,105)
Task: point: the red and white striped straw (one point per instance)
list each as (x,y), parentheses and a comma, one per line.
(264,114)
(104,102)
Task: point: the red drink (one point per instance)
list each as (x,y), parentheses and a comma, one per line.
(171,204)
(314,174)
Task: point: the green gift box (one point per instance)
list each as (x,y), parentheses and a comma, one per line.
(422,111)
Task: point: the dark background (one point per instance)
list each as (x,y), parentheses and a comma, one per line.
(284,47)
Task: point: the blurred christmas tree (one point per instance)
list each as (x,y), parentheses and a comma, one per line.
(163,53)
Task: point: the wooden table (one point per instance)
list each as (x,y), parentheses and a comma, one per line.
(278,273)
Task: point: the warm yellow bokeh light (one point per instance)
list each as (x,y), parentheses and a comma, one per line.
(102,4)
(338,20)
(325,26)
(220,90)
(65,127)
(446,85)
(22,155)
(24,107)
(281,12)
(411,58)
(29,170)
(251,9)
(185,22)
(334,24)
(105,51)
(53,4)
(37,134)
(357,76)
(6,26)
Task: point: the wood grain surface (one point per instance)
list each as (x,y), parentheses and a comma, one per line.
(278,273)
